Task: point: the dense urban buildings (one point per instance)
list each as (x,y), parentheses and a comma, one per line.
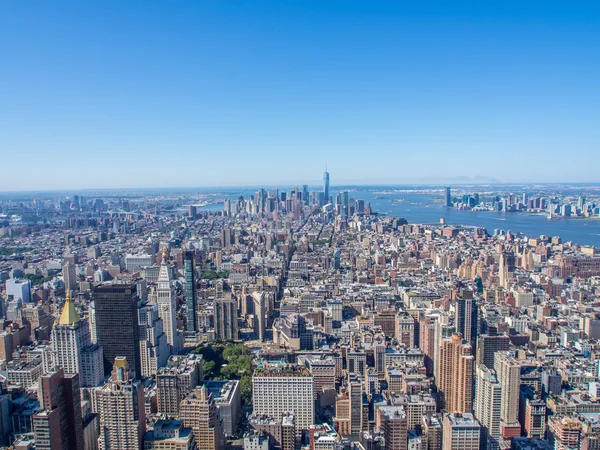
(294,318)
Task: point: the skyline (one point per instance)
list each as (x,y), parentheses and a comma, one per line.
(139,94)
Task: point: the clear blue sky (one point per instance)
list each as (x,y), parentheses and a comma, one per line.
(98,94)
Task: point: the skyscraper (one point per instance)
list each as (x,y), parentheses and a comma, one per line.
(326,186)
(190,296)
(117,330)
(456,375)
(69,336)
(488,400)
(226,321)
(176,380)
(120,404)
(58,425)
(448,198)
(167,308)
(69,276)
(466,316)
(154,349)
(509,375)
(198,411)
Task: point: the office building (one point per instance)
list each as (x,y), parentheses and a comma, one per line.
(466,316)
(405,329)
(226,320)
(176,380)
(189,273)
(198,411)
(456,375)
(92,366)
(18,290)
(461,432)
(69,337)
(154,349)
(120,404)
(117,328)
(259,299)
(69,276)
(325,187)
(488,346)
(227,395)
(281,431)
(448,198)
(275,392)
(167,308)
(58,424)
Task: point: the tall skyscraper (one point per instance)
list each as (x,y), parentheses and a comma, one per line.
(259,314)
(198,411)
(488,345)
(326,186)
(58,425)
(117,328)
(275,392)
(466,316)
(226,321)
(120,404)
(167,308)
(69,276)
(154,349)
(448,198)
(190,296)
(509,375)
(456,375)
(488,400)
(69,336)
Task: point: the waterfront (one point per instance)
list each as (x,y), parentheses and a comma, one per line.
(425,208)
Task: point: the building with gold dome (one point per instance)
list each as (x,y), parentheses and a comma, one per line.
(72,349)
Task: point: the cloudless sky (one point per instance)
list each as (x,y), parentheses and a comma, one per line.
(97,94)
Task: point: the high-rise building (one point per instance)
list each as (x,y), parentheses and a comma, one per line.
(488,400)
(326,186)
(69,276)
(226,321)
(466,316)
(117,329)
(461,432)
(488,345)
(431,426)
(58,425)
(448,198)
(456,375)
(154,349)
(120,404)
(275,392)
(69,336)
(176,380)
(198,411)
(259,315)
(167,308)
(355,395)
(508,370)
(189,272)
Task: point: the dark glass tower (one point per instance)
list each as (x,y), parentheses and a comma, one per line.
(117,327)
(190,296)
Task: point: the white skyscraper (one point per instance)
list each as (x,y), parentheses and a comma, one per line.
(166,305)
(69,337)
(154,349)
(488,400)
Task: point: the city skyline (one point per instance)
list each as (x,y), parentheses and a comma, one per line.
(167,94)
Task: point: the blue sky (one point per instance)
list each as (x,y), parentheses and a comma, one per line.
(198,93)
